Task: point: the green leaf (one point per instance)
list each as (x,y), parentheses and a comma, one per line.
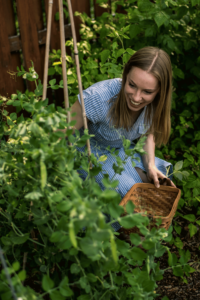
(9,102)
(134,30)
(190,217)
(17,240)
(33,195)
(51,71)
(130,221)
(192,270)
(178,175)
(47,283)
(137,254)
(13,97)
(185,174)
(178,229)
(178,166)
(172,259)
(126,57)
(52,82)
(109,195)
(120,52)
(160,18)
(145,5)
(16,266)
(179,73)
(177,271)
(64,282)
(66,291)
(75,268)
(91,277)
(56,295)
(56,236)
(130,51)
(84,297)
(22,275)
(13,116)
(192,229)
(178,243)
(64,206)
(104,55)
(191,97)
(115,210)
(130,207)
(83,282)
(6,241)
(135,239)
(43,268)
(195,2)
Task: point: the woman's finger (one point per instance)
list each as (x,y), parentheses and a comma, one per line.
(156,182)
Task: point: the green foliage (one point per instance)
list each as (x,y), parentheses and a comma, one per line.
(49,215)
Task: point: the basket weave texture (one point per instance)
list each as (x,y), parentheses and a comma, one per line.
(158,203)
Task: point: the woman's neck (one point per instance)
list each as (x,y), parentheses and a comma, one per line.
(135,114)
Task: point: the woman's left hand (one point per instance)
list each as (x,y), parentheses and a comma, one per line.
(153,174)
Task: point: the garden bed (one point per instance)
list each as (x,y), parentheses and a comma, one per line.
(172,286)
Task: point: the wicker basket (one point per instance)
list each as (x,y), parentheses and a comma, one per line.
(159,203)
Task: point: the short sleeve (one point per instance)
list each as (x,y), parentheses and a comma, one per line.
(93,104)
(96,99)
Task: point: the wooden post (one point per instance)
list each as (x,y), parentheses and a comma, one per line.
(46,64)
(63,56)
(78,71)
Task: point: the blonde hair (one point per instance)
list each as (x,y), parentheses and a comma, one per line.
(156,62)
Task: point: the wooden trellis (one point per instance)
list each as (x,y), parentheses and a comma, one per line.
(19,46)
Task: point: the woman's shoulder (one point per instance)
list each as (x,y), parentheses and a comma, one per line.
(106,88)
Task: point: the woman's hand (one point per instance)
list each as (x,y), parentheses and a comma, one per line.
(153,174)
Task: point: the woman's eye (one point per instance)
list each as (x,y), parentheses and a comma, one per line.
(132,85)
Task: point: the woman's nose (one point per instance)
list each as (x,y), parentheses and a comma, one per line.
(137,95)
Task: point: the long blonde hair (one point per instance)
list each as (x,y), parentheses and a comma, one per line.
(156,62)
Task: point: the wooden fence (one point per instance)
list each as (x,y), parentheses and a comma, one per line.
(19,45)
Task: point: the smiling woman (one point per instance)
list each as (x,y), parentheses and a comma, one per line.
(136,105)
(140,89)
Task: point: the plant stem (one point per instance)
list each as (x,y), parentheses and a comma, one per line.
(111,278)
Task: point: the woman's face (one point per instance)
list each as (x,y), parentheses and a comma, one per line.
(140,89)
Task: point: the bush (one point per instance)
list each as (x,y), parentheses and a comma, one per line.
(52,222)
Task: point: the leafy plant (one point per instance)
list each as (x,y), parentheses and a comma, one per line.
(53,221)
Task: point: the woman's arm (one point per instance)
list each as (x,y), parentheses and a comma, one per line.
(149,162)
(149,147)
(76,108)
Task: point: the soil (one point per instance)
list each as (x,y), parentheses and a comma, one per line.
(171,286)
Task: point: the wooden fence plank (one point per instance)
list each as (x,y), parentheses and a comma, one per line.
(80,6)
(55,32)
(54,45)
(120,10)
(8,62)
(27,16)
(98,10)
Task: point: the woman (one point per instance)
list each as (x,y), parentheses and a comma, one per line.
(138,104)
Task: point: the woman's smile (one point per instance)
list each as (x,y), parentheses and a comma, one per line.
(135,103)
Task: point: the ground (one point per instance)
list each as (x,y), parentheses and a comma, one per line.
(171,286)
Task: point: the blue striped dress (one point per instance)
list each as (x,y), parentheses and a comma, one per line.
(97,105)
